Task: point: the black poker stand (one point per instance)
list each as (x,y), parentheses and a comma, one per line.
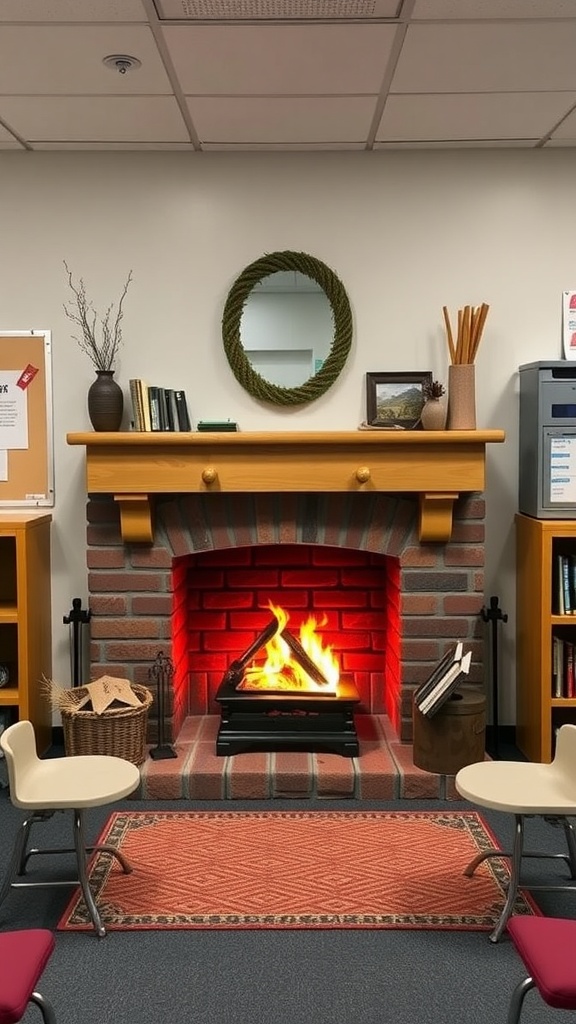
(77,617)
(494,614)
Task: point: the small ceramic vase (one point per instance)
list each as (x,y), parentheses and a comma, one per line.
(434,414)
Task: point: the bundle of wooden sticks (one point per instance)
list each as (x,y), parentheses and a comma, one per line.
(471,322)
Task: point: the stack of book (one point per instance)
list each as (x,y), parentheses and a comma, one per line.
(563,668)
(443,680)
(155,408)
(565,588)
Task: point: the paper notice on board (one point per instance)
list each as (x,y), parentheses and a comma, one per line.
(13,411)
(563,469)
(3,465)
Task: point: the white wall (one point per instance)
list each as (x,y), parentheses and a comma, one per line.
(407,232)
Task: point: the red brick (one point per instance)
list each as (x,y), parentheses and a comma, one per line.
(150,558)
(419,604)
(462,604)
(217,599)
(455,554)
(105,558)
(156,604)
(420,556)
(126,628)
(102,604)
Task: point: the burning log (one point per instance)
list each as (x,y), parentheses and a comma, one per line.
(304,660)
(235,670)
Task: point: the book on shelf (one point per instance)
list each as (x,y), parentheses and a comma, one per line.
(183,414)
(454,674)
(137,415)
(154,403)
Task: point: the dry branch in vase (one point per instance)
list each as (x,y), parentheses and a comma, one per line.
(471,322)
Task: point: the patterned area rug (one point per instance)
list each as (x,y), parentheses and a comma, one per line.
(296,869)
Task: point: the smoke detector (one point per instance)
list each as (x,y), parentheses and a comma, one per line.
(122,63)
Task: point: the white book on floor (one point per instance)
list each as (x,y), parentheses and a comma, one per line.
(446,685)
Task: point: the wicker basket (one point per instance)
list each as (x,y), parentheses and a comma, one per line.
(117,731)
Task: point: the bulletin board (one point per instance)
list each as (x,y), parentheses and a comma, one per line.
(26,430)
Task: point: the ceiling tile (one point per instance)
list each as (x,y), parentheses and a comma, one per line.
(279,120)
(461,144)
(68,59)
(485,116)
(267,60)
(72,10)
(98,119)
(284,147)
(507,57)
(476,10)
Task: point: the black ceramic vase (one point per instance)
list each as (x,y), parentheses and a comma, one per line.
(105,402)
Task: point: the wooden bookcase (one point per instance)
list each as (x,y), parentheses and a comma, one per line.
(538,712)
(26,618)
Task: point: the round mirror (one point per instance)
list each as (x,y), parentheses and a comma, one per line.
(287,328)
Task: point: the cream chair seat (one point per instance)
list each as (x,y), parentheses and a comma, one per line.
(43,787)
(525,789)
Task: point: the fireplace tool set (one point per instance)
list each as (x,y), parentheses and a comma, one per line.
(264,719)
(161,672)
(77,618)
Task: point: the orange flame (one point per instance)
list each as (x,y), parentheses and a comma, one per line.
(281,670)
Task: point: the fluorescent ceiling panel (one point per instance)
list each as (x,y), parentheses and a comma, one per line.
(257,10)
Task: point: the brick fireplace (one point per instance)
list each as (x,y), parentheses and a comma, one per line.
(188,537)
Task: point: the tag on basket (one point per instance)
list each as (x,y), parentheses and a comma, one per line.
(104,691)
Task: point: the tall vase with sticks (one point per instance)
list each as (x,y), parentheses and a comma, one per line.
(462,369)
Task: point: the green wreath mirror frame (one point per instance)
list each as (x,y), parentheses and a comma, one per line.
(253,382)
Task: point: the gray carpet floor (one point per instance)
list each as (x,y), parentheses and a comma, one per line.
(289,977)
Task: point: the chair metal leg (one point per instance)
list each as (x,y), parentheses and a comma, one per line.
(571,844)
(21,855)
(517,1000)
(515,866)
(81,860)
(15,861)
(46,1008)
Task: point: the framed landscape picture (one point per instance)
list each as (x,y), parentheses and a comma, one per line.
(395,399)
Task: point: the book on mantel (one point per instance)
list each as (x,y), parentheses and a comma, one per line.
(158,409)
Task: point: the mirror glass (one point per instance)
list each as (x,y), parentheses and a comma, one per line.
(287,328)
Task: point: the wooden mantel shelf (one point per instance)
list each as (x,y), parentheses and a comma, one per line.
(437,465)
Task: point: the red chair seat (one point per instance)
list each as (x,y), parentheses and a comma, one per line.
(23,957)
(547,946)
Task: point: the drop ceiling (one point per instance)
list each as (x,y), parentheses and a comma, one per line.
(287,74)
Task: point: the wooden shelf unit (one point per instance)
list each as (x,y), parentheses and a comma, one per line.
(538,712)
(26,618)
